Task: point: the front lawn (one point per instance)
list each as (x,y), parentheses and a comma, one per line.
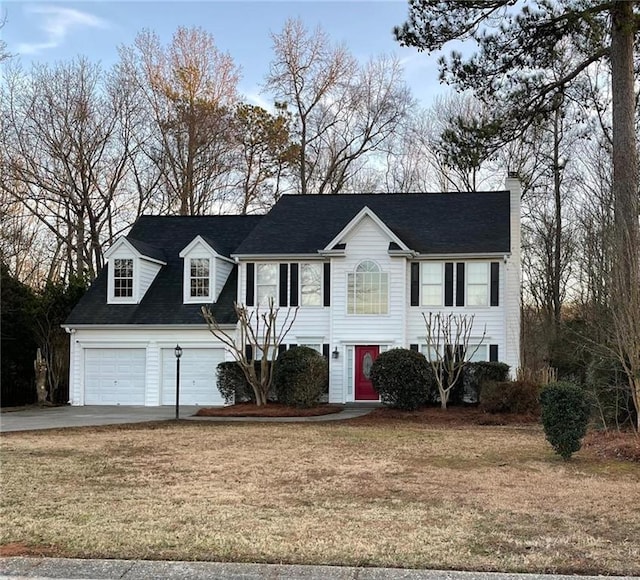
(382,493)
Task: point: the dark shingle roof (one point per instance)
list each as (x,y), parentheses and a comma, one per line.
(436,223)
(147,249)
(162,304)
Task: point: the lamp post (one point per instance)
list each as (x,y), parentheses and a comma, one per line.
(178,352)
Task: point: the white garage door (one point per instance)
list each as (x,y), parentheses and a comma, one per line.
(114,376)
(198,369)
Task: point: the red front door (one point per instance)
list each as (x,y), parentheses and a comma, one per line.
(365,355)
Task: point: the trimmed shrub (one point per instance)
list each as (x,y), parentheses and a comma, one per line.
(301,377)
(403,379)
(475,374)
(233,385)
(565,416)
(519,397)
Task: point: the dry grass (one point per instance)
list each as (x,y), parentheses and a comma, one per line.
(394,493)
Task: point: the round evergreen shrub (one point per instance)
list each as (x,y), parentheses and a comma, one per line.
(565,416)
(232,384)
(300,376)
(403,379)
(519,397)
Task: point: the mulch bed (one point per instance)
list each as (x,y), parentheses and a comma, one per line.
(614,444)
(13,549)
(453,417)
(269,410)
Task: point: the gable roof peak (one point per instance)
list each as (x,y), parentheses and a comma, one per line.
(366,211)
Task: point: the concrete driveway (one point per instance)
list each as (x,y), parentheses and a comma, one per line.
(35,418)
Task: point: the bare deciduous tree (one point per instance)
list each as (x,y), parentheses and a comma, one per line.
(448,342)
(263,333)
(189,92)
(341,110)
(65,156)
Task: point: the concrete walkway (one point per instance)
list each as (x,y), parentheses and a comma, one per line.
(45,568)
(35,418)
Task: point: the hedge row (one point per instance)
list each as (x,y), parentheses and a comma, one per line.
(300,378)
(405,379)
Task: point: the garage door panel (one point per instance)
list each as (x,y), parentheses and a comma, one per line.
(198,371)
(115,376)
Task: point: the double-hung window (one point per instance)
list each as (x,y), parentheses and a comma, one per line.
(199,281)
(431,283)
(477,283)
(266,283)
(477,353)
(367,289)
(310,284)
(123,278)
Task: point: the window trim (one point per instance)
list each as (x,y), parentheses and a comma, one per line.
(132,277)
(423,284)
(471,350)
(349,295)
(320,267)
(487,284)
(197,254)
(256,285)
(207,277)
(111,286)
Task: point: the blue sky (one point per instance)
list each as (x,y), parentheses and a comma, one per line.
(50,30)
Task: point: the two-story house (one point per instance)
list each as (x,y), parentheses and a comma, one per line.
(360,269)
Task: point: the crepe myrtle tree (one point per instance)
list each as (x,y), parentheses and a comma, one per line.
(260,331)
(448,337)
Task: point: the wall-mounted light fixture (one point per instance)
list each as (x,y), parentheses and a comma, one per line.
(335,353)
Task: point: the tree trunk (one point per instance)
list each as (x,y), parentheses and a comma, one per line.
(557,242)
(626,267)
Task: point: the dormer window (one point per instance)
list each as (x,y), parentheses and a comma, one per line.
(132,268)
(205,271)
(200,281)
(123,278)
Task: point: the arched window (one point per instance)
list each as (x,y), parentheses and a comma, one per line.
(367,289)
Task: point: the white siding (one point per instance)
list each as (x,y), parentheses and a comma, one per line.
(147,272)
(512,290)
(491,318)
(310,322)
(149,340)
(144,273)
(222,271)
(152,375)
(366,241)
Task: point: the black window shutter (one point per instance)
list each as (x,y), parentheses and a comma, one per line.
(327,284)
(281,348)
(448,284)
(415,284)
(284,276)
(248,351)
(293,294)
(493,353)
(413,347)
(495,283)
(325,350)
(251,281)
(460,284)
